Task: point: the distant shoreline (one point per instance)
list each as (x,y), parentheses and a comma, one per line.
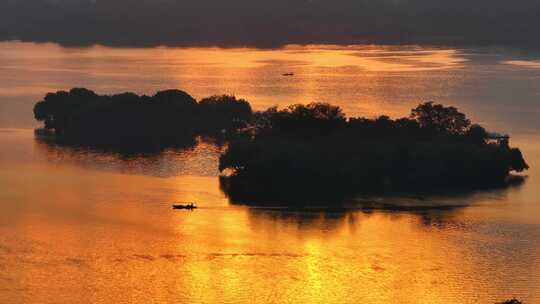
(324,45)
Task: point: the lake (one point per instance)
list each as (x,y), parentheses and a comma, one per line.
(81,226)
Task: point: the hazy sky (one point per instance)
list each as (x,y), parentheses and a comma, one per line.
(270,23)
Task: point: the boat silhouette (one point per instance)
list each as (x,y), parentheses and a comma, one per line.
(189,206)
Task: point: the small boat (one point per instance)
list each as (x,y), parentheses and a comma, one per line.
(288,74)
(189,206)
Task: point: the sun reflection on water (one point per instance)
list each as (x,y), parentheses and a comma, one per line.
(101,225)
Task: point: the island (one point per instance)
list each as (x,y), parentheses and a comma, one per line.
(301,154)
(313,154)
(129,122)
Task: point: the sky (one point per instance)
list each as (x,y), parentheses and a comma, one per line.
(270,24)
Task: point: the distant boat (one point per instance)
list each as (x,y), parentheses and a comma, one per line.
(189,206)
(288,74)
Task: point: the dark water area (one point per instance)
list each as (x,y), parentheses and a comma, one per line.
(80,225)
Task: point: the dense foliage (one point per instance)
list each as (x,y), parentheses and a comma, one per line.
(304,153)
(169,118)
(512,301)
(312,153)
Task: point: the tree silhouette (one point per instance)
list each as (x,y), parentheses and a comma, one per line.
(224,112)
(300,120)
(440,119)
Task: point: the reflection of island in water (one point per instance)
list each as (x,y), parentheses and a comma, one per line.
(200,159)
(437,211)
(330,221)
(304,155)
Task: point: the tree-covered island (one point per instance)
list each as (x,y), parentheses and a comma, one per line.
(313,152)
(129,122)
(300,154)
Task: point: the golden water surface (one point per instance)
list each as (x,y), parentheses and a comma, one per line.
(79,226)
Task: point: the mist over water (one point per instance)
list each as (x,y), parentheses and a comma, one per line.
(83,226)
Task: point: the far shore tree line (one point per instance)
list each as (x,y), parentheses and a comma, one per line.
(301,153)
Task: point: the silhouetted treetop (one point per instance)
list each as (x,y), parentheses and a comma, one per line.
(440,118)
(175,97)
(226,111)
(511,301)
(299,120)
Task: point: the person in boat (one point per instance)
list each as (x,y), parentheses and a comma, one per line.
(187,206)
